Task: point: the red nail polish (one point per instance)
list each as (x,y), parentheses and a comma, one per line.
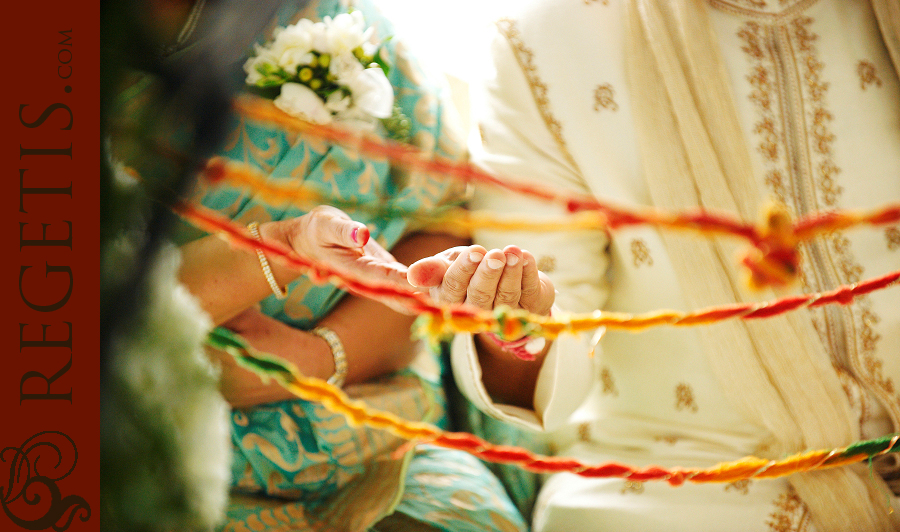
(354,233)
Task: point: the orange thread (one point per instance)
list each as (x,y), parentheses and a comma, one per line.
(772,261)
(357,412)
(439,321)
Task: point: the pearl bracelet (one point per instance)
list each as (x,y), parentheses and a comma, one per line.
(337,351)
(280,293)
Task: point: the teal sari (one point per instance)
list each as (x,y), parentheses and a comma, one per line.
(296,465)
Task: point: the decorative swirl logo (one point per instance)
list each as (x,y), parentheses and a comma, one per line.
(32,499)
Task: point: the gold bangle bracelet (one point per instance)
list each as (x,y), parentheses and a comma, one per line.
(280,293)
(337,352)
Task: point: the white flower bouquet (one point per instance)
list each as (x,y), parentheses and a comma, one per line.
(326,71)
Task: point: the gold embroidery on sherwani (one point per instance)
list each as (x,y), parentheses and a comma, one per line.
(740,486)
(789,91)
(547,263)
(892,235)
(790,515)
(603,98)
(525,58)
(764,10)
(763,94)
(603,2)
(584,432)
(857,397)
(641,253)
(632,486)
(868,75)
(747,4)
(684,398)
(860,316)
(609,384)
(669,440)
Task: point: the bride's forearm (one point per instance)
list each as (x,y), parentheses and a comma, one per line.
(227,280)
(376,339)
(243,388)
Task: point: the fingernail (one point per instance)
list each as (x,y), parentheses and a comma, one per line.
(494,264)
(354,233)
(475,256)
(512,260)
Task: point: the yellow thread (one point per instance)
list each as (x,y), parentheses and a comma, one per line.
(358,412)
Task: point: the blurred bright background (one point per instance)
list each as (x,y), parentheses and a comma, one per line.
(449,35)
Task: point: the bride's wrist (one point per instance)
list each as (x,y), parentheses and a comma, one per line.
(277,233)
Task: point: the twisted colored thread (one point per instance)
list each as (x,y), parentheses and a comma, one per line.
(212,222)
(438,321)
(613,216)
(357,412)
(515,323)
(454,219)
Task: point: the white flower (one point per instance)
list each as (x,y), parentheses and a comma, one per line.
(344,67)
(369,48)
(361,96)
(252,66)
(372,93)
(300,101)
(294,58)
(293,44)
(346,32)
(338,102)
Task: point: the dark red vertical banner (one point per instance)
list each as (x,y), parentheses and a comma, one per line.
(49,274)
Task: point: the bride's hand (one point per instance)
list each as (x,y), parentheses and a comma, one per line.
(328,235)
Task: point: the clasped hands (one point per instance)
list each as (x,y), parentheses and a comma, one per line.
(464,274)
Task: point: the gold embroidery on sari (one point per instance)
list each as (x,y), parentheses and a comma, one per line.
(410,69)
(295,306)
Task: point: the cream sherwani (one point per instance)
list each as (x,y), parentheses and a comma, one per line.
(819,102)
